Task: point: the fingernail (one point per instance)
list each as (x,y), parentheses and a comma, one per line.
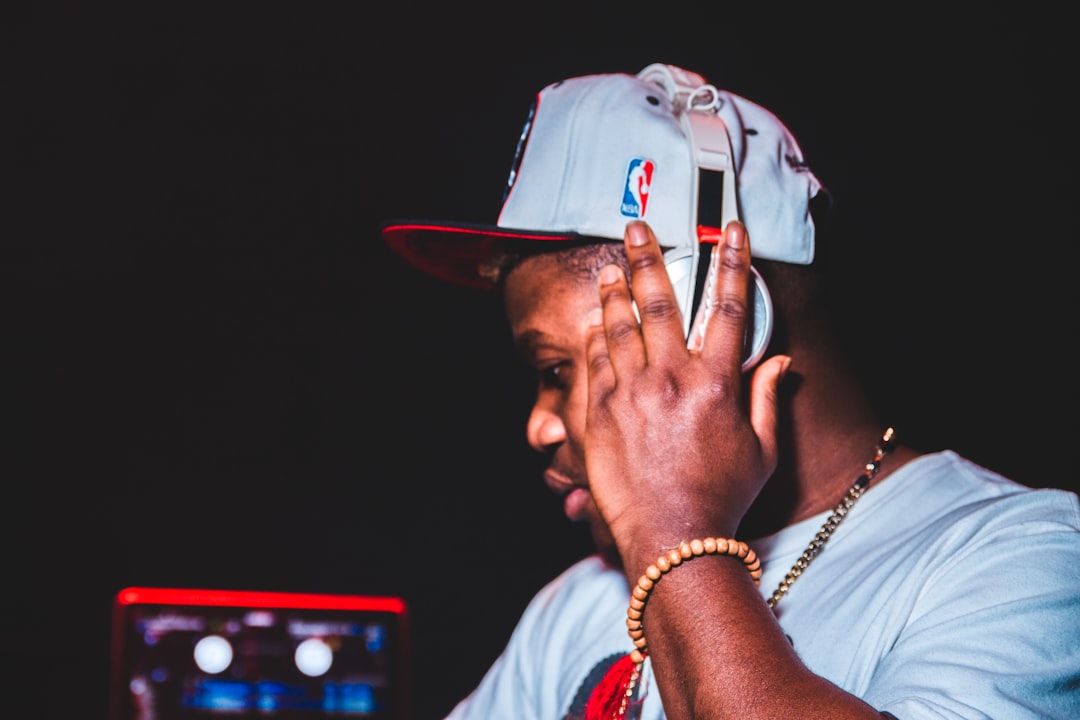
(596,317)
(638,234)
(609,274)
(735,238)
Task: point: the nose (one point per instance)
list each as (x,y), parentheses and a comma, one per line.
(545,428)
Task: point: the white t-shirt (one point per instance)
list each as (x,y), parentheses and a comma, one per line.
(947,592)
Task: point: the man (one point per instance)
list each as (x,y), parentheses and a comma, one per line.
(766,548)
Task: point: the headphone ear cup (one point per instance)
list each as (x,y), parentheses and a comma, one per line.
(681,271)
(761,323)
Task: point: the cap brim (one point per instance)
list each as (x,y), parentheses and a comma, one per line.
(455,252)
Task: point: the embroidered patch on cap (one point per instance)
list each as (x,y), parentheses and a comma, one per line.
(636,190)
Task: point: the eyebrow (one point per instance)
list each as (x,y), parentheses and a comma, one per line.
(528,341)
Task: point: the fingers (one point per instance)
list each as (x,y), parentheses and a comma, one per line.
(639,328)
(661,324)
(728,300)
(628,341)
(614,345)
(600,373)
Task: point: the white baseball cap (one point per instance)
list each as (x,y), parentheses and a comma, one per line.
(662,146)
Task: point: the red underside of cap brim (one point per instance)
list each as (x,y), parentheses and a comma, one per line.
(455,252)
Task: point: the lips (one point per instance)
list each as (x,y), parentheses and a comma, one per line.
(576,504)
(575,497)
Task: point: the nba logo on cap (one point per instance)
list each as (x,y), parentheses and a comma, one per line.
(636,190)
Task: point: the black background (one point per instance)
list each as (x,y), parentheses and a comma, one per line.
(217,376)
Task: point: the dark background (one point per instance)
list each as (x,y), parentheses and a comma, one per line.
(217,376)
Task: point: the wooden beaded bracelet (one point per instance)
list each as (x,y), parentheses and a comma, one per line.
(673,558)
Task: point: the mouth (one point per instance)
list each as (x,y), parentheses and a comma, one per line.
(576,497)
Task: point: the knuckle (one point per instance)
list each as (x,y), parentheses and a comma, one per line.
(670,388)
(658,308)
(599,362)
(614,293)
(595,342)
(732,307)
(645,261)
(621,332)
(734,261)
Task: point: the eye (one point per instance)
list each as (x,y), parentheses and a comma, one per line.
(553,377)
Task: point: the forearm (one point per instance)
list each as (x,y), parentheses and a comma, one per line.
(717,651)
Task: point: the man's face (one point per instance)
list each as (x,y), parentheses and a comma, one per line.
(547,306)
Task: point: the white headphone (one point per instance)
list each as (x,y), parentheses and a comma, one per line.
(696,103)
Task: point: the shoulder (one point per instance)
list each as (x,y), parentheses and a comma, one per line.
(587,600)
(573,625)
(943,520)
(589,579)
(946,487)
(952,526)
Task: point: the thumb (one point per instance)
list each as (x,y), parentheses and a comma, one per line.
(764,386)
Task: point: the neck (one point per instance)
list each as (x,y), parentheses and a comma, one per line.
(828,433)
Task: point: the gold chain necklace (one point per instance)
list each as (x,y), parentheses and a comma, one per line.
(884,447)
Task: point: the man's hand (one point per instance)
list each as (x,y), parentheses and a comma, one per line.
(675,447)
